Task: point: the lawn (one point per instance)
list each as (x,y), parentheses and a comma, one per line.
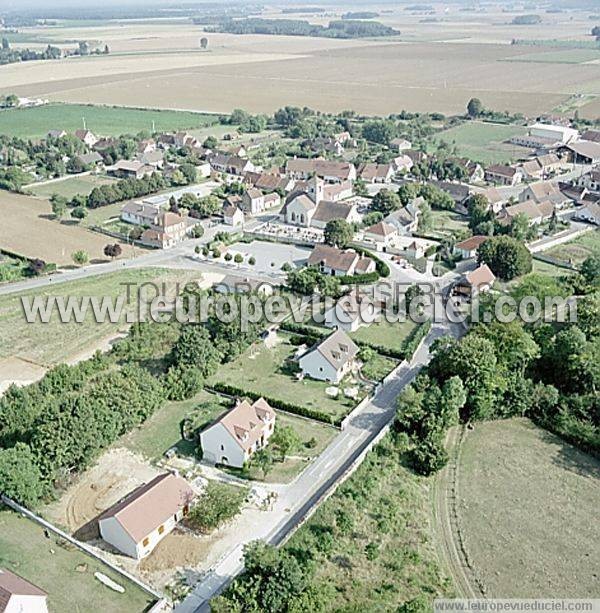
(525,505)
(66,573)
(54,342)
(544,268)
(262,370)
(314,436)
(576,251)
(70,186)
(445,223)
(391,335)
(162,431)
(484,142)
(35,122)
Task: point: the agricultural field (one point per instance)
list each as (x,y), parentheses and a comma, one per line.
(35,122)
(576,251)
(263,370)
(524,507)
(50,343)
(29,229)
(69,186)
(66,573)
(379,76)
(560,56)
(485,142)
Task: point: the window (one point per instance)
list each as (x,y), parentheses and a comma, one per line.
(161,529)
(146,542)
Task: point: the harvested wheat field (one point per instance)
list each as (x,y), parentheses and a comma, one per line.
(527,512)
(28,228)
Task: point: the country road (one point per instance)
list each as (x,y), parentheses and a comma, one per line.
(299,498)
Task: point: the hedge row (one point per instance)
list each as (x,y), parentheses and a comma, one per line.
(382,268)
(412,341)
(316,334)
(554,261)
(363,279)
(232,390)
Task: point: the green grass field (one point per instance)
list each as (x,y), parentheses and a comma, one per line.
(260,370)
(384,333)
(66,573)
(70,186)
(445,223)
(103,120)
(576,251)
(54,342)
(484,142)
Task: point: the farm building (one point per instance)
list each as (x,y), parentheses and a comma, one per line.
(140,521)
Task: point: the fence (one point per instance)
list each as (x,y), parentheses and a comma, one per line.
(85,548)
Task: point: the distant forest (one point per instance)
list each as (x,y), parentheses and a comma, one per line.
(297,27)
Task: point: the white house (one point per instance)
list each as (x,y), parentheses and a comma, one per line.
(331,359)
(477,281)
(468,248)
(237,435)
(351,311)
(17,595)
(232,215)
(338,262)
(141,213)
(590,213)
(382,234)
(136,524)
(87,137)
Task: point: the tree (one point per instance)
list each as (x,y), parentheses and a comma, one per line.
(479,211)
(194,347)
(263,460)
(338,233)
(474,108)
(20,477)
(204,43)
(36,266)
(218,504)
(590,269)
(79,213)
(385,202)
(252,260)
(106,50)
(506,256)
(112,251)
(5,43)
(285,439)
(519,227)
(80,257)
(238,258)
(380,131)
(59,206)
(210,142)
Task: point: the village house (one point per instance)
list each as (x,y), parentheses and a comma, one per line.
(154,158)
(402,164)
(339,263)
(589,213)
(459,192)
(239,434)
(414,250)
(184,139)
(330,359)
(495,198)
(169,230)
(330,171)
(541,166)
(400,144)
(377,173)
(235,284)
(239,151)
(141,213)
(17,595)
(591,135)
(544,192)
(406,219)
(590,180)
(136,524)
(351,312)
(233,215)
(382,234)
(536,212)
(475,282)
(146,146)
(468,248)
(254,202)
(129,169)
(231,164)
(327,211)
(500,174)
(56,134)
(269,182)
(583,152)
(90,159)
(87,137)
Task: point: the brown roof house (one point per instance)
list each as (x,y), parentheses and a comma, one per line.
(382,234)
(536,212)
(330,359)
(543,192)
(238,434)
(499,174)
(468,248)
(338,262)
(136,524)
(17,595)
(475,282)
(87,137)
